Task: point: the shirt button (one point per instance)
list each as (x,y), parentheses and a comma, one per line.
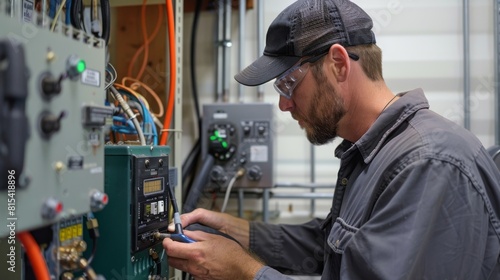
(344,181)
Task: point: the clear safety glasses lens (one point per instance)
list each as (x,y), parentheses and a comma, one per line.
(285,84)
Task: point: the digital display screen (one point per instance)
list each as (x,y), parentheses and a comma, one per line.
(152,186)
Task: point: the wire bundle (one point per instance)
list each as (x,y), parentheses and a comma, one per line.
(74,16)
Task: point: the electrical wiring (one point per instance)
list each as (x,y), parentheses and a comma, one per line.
(54,21)
(133,92)
(93,230)
(136,105)
(106,20)
(148,122)
(173,77)
(145,37)
(93,8)
(76,18)
(194,155)
(75,13)
(157,122)
(130,114)
(238,174)
(114,75)
(34,254)
(68,11)
(52,8)
(228,192)
(193,62)
(149,40)
(126,126)
(136,84)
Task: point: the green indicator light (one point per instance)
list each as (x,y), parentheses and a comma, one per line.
(80,66)
(216,133)
(213,138)
(224,144)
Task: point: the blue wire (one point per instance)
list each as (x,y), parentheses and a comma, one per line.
(147,118)
(68,12)
(52,8)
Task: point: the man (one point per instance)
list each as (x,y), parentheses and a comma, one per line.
(417,196)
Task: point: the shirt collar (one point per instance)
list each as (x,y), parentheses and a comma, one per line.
(389,120)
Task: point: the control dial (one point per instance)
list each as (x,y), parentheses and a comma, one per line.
(254,173)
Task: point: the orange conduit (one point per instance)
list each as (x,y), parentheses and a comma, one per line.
(34,255)
(143,47)
(173,76)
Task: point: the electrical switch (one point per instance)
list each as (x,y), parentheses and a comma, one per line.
(50,123)
(75,67)
(51,208)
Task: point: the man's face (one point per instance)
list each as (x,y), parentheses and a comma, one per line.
(321,115)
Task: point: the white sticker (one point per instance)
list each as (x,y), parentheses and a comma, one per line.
(96,170)
(258,154)
(91,77)
(220,116)
(28,8)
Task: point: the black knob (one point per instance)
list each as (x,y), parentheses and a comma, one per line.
(261,129)
(146,163)
(254,173)
(243,160)
(51,86)
(160,162)
(50,123)
(246,130)
(218,175)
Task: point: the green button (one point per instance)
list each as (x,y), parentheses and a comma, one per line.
(81,66)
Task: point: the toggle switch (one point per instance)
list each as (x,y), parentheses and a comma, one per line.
(50,123)
(50,85)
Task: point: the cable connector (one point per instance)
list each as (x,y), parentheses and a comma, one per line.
(93,228)
(240,172)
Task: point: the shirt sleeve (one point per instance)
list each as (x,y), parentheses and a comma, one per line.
(290,249)
(267,273)
(429,223)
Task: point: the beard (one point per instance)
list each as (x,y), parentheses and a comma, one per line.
(326,110)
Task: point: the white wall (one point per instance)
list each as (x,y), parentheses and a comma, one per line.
(422,47)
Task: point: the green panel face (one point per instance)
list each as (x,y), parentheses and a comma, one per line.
(66,166)
(116,256)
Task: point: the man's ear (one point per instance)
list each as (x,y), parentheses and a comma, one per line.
(339,62)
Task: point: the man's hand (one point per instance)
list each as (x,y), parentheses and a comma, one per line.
(211,257)
(238,228)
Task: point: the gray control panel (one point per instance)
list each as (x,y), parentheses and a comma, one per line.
(239,136)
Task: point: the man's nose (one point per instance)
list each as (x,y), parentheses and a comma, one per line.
(285,104)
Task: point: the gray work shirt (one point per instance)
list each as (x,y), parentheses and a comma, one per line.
(417,197)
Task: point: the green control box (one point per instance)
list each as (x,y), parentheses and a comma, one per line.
(136,182)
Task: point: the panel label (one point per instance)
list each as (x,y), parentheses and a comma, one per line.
(258,153)
(28,8)
(75,162)
(91,77)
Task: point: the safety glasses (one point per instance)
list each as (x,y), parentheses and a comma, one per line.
(286,83)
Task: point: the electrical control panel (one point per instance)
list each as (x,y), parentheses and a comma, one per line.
(137,180)
(239,136)
(52,93)
(150,196)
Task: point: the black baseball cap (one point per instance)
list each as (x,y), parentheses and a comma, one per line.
(307,28)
